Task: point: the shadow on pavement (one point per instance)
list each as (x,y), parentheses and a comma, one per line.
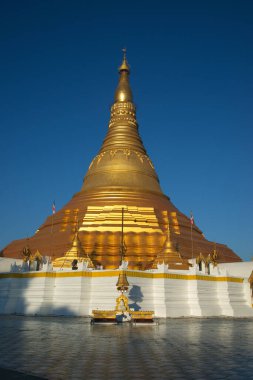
(8,374)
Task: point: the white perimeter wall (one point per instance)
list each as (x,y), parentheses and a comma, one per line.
(79,294)
(243,269)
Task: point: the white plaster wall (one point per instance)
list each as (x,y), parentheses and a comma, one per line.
(47,304)
(243,269)
(233,299)
(103,293)
(203,298)
(175,298)
(10,265)
(21,295)
(85,298)
(66,295)
(79,295)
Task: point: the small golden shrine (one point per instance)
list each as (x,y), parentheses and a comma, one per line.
(30,258)
(122,312)
(169,255)
(74,255)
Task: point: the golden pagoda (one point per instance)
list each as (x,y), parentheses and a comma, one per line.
(122,177)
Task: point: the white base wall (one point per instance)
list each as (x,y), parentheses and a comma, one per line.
(167,294)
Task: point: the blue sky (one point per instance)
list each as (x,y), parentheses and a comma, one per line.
(192,82)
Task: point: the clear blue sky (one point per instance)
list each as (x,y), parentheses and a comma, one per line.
(192,83)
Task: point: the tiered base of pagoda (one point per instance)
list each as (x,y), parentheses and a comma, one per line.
(151,223)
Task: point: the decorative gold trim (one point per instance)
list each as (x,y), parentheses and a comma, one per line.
(142,314)
(126,152)
(104,314)
(115,273)
(111,314)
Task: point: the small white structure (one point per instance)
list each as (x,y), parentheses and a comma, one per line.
(226,291)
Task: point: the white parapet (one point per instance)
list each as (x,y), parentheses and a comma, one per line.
(10,265)
(241,269)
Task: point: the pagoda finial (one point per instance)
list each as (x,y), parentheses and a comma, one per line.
(123,92)
(124,66)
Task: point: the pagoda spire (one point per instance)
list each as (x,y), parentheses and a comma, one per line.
(123,92)
(124,66)
(122,160)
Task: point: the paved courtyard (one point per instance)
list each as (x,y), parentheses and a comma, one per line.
(70,348)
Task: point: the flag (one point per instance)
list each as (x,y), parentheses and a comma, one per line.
(53,207)
(192,219)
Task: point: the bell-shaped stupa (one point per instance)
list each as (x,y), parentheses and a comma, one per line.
(121,205)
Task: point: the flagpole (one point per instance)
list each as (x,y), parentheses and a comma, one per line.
(53,212)
(192,221)
(191,241)
(52,227)
(52,224)
(122,235)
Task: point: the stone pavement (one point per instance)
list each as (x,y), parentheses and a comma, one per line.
(70,348)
